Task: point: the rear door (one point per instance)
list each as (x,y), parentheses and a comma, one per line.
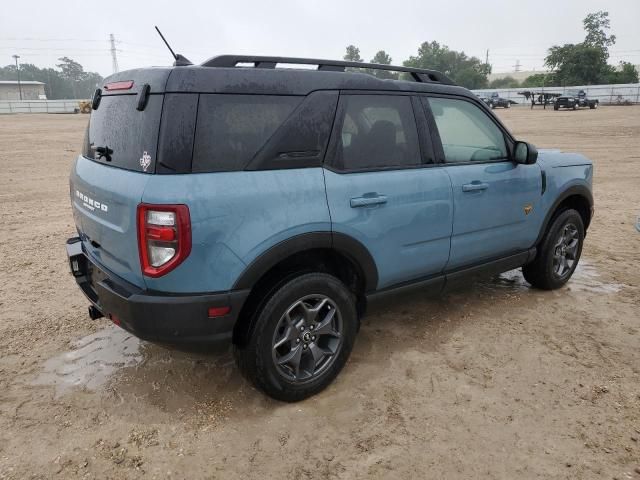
(496,201)
(107,181)
(382,190)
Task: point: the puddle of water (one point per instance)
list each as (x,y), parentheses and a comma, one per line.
(585,278)
(92,360)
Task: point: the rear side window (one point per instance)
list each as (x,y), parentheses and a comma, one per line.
(376,131)
(131,136)
(466,132)
(231,128)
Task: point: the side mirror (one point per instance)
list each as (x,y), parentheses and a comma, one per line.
(525,153)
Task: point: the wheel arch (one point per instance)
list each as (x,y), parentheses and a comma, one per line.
(578,197)
(330,252)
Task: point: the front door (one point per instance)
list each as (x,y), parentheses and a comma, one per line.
(496,201)
(383,191)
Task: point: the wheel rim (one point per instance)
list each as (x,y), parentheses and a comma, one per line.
(307,338)
(565,251)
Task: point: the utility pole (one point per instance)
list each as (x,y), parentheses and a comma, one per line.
(486,61)
(18,70)
(114,59)
(517,66)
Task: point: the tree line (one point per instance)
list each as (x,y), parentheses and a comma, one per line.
(584,63)
(69,80)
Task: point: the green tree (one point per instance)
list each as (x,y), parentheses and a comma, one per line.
(539,80)
(505,82)
(626,73)
(383,58)
(585,63)
(353,54)
(597,25)
(469,72)
(58,85)
(579,64)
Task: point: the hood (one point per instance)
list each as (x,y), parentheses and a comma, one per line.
(553,158)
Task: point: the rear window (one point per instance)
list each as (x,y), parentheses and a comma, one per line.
(231,129)
(130,135)
(377,131)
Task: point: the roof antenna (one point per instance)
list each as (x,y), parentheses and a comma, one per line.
(180,60)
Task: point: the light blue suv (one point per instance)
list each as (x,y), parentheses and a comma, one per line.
(243,202)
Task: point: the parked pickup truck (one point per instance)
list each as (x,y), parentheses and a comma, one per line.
(239,202)
(575,99)
(495,100)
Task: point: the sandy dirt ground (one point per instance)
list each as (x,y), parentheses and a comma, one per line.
(493,381)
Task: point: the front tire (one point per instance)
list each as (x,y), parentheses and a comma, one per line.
(556,107)
(558,253)
(507,105)
(302,338)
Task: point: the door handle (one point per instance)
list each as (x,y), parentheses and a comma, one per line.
(474,187)
(367,201)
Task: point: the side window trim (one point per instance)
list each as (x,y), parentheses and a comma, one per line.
(424,135)
(435,134)
(331,152)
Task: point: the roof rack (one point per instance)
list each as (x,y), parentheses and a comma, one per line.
(418,74)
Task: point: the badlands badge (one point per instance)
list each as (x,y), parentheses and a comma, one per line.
(528,208)
(145,160)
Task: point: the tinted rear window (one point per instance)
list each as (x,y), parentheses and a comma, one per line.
(231,129)
(377,131)
(131,135)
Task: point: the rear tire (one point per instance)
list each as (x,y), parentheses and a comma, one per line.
(302,337)
(508,105)
(558,253)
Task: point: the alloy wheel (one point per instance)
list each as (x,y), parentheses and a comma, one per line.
(565,250)
(307,338)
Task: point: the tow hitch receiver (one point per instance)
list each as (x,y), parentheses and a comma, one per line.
(94,313)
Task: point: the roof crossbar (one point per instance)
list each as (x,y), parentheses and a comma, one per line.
(418,74)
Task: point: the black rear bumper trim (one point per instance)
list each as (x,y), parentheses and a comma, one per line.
(169,318)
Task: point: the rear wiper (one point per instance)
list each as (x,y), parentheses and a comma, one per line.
(104,152)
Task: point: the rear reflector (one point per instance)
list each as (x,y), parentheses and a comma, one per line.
(123,85)
(218,311)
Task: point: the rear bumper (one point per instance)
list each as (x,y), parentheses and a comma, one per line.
(155,316)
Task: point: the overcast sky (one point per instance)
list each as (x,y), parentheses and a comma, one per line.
(40,31)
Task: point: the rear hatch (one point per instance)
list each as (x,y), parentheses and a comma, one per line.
(108,180)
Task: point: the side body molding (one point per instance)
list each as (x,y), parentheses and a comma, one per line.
(341,243)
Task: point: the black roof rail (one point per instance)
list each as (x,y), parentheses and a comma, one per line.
(418,74)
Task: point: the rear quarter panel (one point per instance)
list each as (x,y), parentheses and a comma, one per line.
(235,217)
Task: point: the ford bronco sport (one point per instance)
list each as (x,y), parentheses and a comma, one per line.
(245,202)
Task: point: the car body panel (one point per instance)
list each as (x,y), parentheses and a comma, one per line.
(407,236)
(108,230)
(497,220)
(235,217)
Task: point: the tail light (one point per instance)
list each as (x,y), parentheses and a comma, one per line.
(164,237)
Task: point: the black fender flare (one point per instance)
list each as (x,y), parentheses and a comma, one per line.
(580,190)
(340,242)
